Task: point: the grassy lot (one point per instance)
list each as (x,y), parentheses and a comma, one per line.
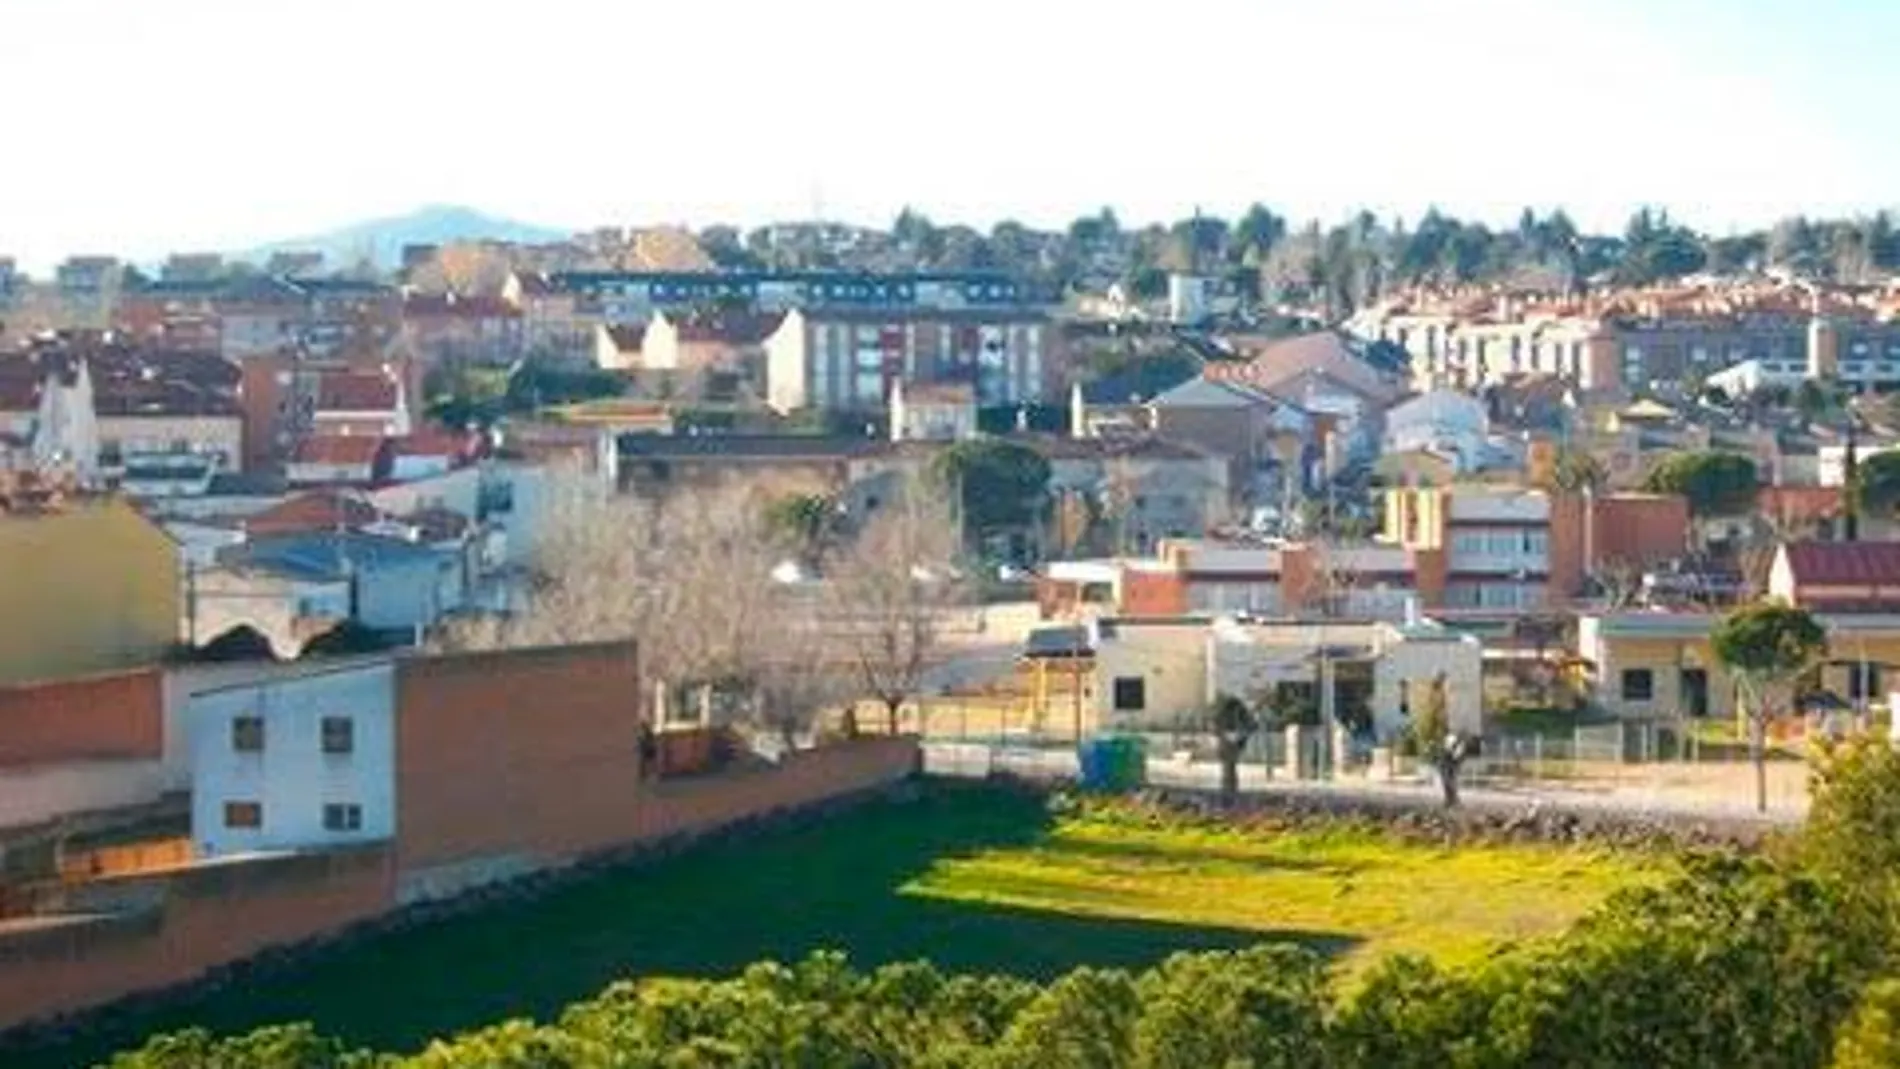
(972,879)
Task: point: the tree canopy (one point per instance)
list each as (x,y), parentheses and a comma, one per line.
(1003,485)
(1714,483)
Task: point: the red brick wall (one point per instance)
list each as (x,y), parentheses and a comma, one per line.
(529,751)
(687,806)
(1640,529)
(1146,593)
(196,920)
(120,716)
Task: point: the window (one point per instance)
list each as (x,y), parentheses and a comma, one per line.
(247,734)
(1131,694)
(339,816)
(1639,684)
(1537,543)
(1863,682)
(243,814)
(339,734)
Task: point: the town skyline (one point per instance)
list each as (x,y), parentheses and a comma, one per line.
(1728,117)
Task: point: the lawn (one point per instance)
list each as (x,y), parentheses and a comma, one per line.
(973,879)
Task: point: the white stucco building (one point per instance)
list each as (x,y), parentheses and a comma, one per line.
(1445,422)
(294,762)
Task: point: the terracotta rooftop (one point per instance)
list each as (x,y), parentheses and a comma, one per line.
(356,391)
(1874,564)
(338,449)
(318,510)
(433,443)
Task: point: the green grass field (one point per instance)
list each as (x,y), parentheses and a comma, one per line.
(970,878)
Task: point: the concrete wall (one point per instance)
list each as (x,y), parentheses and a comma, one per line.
(35,794)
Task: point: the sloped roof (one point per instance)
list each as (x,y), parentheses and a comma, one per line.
(318,510)
(1845,563)
(1216,393)
(356,391)
(338,449)
(1325,353)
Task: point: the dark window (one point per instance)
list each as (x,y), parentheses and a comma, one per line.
(1131,694)
(1639,684)
(339,734)
(247,734)
(342,817)
(1863,682)
(243,814)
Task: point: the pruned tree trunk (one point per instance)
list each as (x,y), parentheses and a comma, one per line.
(1448,779)
(1228,750)
(1758,752)
(848,723)
(893,707)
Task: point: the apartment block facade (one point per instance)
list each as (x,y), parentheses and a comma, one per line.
(833,359)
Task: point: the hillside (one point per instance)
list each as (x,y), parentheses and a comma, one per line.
(383,239)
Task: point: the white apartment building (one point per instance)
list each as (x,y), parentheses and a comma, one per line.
(836,358)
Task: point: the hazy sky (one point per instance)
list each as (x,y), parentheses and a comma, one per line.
(137,126)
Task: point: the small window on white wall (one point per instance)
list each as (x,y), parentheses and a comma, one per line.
(342,816)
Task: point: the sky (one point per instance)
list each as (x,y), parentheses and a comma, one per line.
(138,127)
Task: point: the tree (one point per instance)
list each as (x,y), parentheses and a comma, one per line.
(1877,489)
(1714,483)
(1444,749)
(1765,647)
(1575,472)
(888,590)
(1264,1007)
(1233,723)
(804,523)
(1000,485)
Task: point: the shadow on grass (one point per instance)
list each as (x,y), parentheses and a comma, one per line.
(707,913)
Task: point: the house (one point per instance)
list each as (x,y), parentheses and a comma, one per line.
(694,343)
(1186,576)
(87,584)
(1857,577)
(941,411)
(1146,488)
(432,452)
(458,329)
(322,459)
(617,346)
(1443,422)
(1161,673)
(294,761)
(1255,431)
(393,584)
(1322,374)
(847,358)
(352,402)
(552,322)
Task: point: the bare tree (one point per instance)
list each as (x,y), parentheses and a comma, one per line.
(888,590)
(797,675)
(690,585)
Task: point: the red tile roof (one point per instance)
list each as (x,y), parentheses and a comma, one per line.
(1845,564)
(356,391)
(433,443)
(450,305)
(338,449)
(318,510)
(627,337)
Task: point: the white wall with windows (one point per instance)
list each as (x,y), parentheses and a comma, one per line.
(292,763)
(1499,549)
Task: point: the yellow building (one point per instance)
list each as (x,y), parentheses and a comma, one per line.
(1661,665)
(86,585)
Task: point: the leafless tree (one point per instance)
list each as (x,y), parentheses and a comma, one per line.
(691,585)
(888,590)
(797,675)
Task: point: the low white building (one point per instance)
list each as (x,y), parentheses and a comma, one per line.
(1161,674)
(294,762)
(1445,422)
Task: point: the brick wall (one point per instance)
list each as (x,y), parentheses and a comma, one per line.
(533,752)
(696,805)
(176,925)
(119,716)
(1157,593)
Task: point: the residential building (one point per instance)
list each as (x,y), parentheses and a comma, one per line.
(935,411)
(617,346)
(695,343)
(1161,673)
(1444,422)
(394,585)
(552,322)
(456,330)
(1186,576)
(1323,374)
(634,296)
(1147,489)
(838,358)
(88,584)
(349,459)
(430,453)
(295,761)
(1509,549)
(1258,433)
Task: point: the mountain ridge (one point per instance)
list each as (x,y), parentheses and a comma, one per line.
(383,238)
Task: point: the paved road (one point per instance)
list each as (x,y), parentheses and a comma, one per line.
(976,759)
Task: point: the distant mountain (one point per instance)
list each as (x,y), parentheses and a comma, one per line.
(383,239)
